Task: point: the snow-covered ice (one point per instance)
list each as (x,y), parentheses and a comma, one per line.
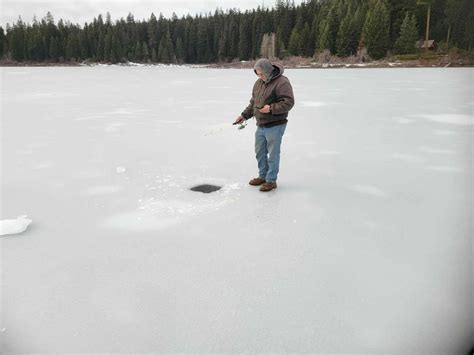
(365,247)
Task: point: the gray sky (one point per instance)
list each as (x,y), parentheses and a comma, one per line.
(80,11)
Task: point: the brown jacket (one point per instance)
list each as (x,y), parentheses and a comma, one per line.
(277,93)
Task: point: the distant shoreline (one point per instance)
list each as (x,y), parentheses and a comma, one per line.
(291,63)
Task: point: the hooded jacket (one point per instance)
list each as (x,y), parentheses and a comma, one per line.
(276,92)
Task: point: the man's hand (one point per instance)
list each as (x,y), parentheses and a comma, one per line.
(265,109)
(239,120)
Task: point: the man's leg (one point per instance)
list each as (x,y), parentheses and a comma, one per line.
(274,137)
(261,152)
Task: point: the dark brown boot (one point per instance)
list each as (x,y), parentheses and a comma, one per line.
(257,181)
(268,186)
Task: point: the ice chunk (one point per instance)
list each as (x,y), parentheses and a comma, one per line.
(14,226)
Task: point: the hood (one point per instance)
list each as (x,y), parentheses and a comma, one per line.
(271,71)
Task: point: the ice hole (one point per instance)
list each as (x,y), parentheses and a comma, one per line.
(206,188)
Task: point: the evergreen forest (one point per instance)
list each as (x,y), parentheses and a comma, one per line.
(342,27)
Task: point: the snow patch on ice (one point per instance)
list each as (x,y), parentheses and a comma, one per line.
(369,190)
(14,226)
(454,119)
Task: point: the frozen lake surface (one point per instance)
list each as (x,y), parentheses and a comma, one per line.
(365,247)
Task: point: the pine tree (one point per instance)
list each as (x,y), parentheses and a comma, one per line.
(152,32)
(280,49)
(54,49)
(72,49)
(306,47)
(100,47)
(408,36)
(145,52)
(222,49)
(324,41)
(257,34)
(202,44)
(170,47)
(245,39)
(137,54)
(344,36)
(294,43)
(83,49)
(179,51)
(2,41)
(357,27)
(376,30)
(107,47)
(329,26)
(233,36)
(114,56)
(17,42)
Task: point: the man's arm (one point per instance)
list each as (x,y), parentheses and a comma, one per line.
(285,99)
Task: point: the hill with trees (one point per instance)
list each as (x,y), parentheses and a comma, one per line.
(340,28)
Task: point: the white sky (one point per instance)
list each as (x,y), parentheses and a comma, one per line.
(80,11)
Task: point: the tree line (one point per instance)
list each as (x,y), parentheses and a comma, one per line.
(341,27)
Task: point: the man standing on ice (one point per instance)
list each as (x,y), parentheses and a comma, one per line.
(272,99)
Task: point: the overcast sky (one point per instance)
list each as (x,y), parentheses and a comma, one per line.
(80,11)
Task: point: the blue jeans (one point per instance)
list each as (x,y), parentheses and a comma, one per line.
(267,151)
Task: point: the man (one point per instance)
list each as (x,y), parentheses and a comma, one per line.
(272,99)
